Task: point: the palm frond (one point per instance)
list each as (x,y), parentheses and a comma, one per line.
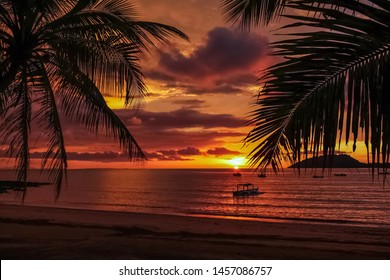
(251,13)
(8,74)
(331,84)
(5,14)
(101,22)
(82,100)
(55,158)
(161,32)
(15,127)
(106,60)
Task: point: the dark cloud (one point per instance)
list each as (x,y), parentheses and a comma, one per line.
(154,95)
(222,152)
(172,138)
(183,118)
(189,151)
(167,152)
(180,128)
(224,51)
(110,156)
(158,76)
(190,103)
(223,89)
(163,139)
(153,131)
(199,90)
(162,157)
(174,154)
(183,154)
(238,80)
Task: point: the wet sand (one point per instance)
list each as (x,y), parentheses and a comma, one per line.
(56,233)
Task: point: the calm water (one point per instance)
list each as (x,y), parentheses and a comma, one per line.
(352,199)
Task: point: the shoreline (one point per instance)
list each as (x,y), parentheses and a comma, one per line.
(34,232)
(309,221)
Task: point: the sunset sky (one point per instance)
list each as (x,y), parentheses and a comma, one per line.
(200,94)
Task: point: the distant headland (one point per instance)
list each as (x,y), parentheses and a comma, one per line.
(338,161)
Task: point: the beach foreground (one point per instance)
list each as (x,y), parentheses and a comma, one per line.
(54,233)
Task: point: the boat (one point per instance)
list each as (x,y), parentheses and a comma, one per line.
(318,177)
(340,174)
(237,174)
(246,190)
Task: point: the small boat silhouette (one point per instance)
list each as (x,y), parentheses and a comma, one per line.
(246,190)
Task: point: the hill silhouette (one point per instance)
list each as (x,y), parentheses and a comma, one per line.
(339,161)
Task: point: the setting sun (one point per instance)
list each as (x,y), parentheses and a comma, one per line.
(237,161)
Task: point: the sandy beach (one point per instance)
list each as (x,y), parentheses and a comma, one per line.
(54,233)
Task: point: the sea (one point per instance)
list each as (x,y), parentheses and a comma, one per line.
(355,199)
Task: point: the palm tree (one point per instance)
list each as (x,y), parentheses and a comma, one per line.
(69,52)
(333,84)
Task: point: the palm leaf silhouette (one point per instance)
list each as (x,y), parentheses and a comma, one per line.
(67,53)
(251,13)
(333,84)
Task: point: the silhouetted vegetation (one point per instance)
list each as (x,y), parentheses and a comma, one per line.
(333,84)
(67,53)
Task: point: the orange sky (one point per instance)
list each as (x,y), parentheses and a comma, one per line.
(200,93)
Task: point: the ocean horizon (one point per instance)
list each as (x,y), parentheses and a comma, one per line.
(355,199)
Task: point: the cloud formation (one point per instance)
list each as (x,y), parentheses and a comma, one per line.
(109,156)
(225,51)
(189,103)
(183,118)
(158,76)
(181,154)
(189,151)
(238,80)
(185,127)
(199,90)
(165,157)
